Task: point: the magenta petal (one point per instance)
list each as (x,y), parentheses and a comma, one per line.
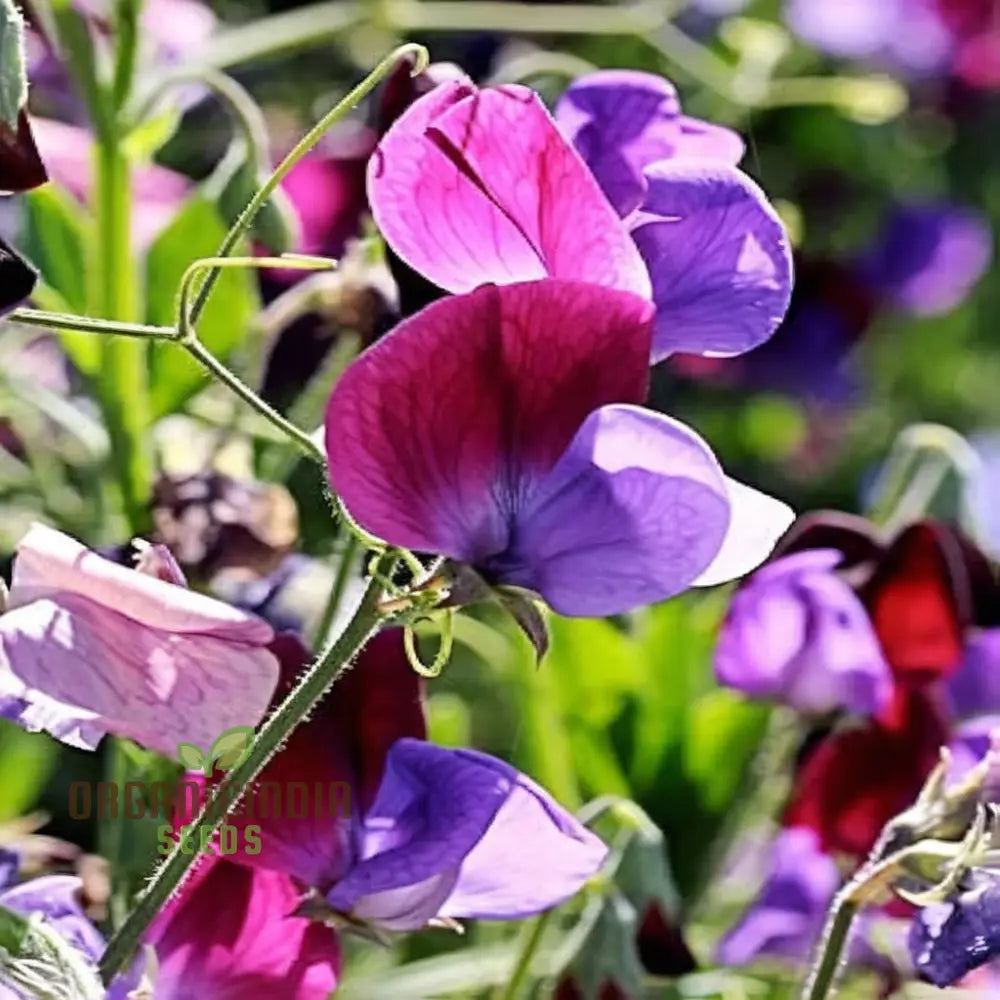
(439,434)
(718,257)
(446,834)
(621,121)
(230,936)
(91,647)
(634,512)
(479,186)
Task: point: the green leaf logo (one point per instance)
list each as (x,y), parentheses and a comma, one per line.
(230,748)
(191,757)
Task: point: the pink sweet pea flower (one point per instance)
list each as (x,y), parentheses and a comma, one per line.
(473,186)
(89,647)
(67,151)
(501,429)
(231,934)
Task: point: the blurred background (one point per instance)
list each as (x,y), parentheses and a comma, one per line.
(873,126)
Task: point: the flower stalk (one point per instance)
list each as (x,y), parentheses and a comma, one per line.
(317,680)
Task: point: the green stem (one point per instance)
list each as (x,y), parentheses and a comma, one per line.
(329,667)
(348,563)
(123,379)
(242,225)
(86,324)
(522,970)
(218,370)
(823,976)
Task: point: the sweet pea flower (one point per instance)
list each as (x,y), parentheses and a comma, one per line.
(951,939)
(906,34)
(786,918)
(622,121)
(232,933)
(67,153)
(928,257)
(89,647)
(473,186)
(796,631)
(17,278)
(501,429)
(251,946)
(930,600)
(430,834)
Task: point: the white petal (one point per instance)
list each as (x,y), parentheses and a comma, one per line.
(756,523)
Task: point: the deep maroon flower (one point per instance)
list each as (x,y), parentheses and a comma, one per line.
(500,428)
(17,279)
(21,167)
(474,186)
(928,596)
(425,833)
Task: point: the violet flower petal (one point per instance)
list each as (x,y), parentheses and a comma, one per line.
(446,834)
(949,939)
(442,431)
(718,256)
(479,186)
(57,899)
(633,512)
(798,633)
(929,257)
(622,121)
(974,688)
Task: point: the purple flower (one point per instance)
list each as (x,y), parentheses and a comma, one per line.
(622,121)
(472,186)
(500,429)
(950,939)
(787,916)
(797,632)
(929,257)
(908,34)
(429,833)
(89,647)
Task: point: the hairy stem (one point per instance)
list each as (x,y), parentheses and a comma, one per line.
(331,664)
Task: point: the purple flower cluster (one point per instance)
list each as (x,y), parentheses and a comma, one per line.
(502,427)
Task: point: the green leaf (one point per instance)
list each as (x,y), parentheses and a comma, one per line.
(54,239)
(195,233)
(41,963)
(26,762)
(13,78)
(191,756)
(231,747)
